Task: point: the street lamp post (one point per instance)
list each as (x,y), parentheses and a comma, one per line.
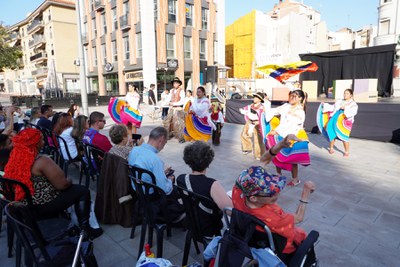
(165,78)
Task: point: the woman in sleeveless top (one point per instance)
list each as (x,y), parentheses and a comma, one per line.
(198,156)
(51,191)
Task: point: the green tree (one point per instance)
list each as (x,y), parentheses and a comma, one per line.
(9,55)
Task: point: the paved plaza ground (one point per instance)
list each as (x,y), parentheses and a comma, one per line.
(356,207)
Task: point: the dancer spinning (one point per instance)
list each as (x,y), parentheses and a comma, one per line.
(126,110)
(198,123)
(336,121)
(251,130)
(292,116)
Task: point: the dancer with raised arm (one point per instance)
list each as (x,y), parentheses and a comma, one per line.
(292,116)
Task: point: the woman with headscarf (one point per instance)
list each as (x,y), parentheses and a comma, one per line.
(51,191)
(292,117)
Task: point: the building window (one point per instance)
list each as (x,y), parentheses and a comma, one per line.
(104,24)
(387,1)
(187,46)
(156,9)
(138,9)
(125,8)
(114,50)
(189,15)
(114,18)
(215,51)
(204,18)
(94,50)
(50,33)
(139,44)
(126,48)
(170,38)
(172,11)
(203,49)
(384,27)
(94,30)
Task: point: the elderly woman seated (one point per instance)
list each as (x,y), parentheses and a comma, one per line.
(51,191)
(122,142)
(199,156)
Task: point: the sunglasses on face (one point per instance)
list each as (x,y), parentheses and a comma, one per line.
(104,121)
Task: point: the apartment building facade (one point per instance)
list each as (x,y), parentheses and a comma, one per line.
(150,41)
(275,37)
(48,39)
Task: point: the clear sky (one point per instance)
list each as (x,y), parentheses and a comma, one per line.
(337,13)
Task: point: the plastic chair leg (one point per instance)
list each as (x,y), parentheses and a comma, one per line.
(196,246)
(142,237)
(160,241)
(187,248)
(10,239)
(18,253)
(151,232)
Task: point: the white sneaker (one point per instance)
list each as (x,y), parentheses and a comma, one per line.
(245,152)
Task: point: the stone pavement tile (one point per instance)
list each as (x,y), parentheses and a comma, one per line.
(381,235)
(127,262)
(325,216)
(117,232)
(378,254)
(107,251)
(390,221)
(366,212)
(333,257)
(344,192)
(343,240)
(382,203)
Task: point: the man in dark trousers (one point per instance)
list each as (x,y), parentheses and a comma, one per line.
(152,97)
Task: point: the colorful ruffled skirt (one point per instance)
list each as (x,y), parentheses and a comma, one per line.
(196,128)
(121,112)
(335,127)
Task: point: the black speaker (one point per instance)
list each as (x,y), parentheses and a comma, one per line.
(212,74)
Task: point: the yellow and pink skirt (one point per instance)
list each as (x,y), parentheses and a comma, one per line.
(121,112)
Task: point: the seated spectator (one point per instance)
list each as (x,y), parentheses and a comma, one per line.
(51,191)
(81,124)
(5,138)
(47,112)
(73,111)
(256,192)
(35,115)
(122,142)
(145,157)
(18,119)
(63,128)
(92,135)
(199,156)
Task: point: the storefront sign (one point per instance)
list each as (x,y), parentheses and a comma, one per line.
(134,76)
(172,63)
(108,67)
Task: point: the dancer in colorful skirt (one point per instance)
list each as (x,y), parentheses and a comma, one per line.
(292,116)
(126,110)
(218,119)
(198,123)
(336,121)
(251,134)
(175,121)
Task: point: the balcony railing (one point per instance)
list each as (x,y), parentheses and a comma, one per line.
(38,56)
(125,22)
(38,39)
(14,35)
(35,24)
(98,5)
(39,72)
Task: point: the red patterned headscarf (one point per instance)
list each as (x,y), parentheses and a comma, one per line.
(21,159)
